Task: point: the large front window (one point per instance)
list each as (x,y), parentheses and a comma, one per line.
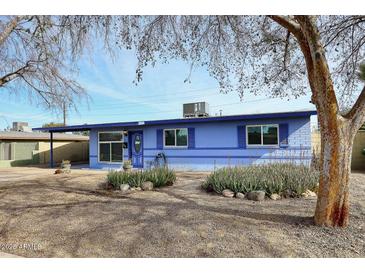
(262,135)
(111,147)
(176,137)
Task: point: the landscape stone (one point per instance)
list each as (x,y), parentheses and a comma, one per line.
(228,193)
(147,186)
(124,188)
(240,195)
(256,195)
(275,196)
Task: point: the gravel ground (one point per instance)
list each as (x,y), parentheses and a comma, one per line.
(46,215)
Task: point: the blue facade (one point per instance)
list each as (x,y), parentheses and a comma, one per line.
(214,143)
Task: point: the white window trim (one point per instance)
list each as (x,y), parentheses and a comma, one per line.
(262,136)
(110,142)
(175,146)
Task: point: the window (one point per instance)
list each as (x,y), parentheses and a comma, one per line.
(262,135)
(137,144)
(176,137)
(111,147)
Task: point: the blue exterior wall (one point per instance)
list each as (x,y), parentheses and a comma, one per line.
(216,145)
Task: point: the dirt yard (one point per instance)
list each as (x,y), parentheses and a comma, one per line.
(46,215)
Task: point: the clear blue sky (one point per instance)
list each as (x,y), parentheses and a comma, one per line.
(114,97)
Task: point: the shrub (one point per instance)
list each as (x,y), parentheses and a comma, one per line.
(136,178)
(161,176)
(116,178)
(158,176)
(271,178)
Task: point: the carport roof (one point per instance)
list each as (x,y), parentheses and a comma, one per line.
(40,136)
(292,114)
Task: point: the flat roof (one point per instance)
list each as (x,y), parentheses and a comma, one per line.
(291,114)
(40,136)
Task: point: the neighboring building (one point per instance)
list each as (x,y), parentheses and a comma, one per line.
(32,148)
(201,143)
(21,126)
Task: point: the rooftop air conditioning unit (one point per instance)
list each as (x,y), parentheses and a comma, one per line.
(199,109)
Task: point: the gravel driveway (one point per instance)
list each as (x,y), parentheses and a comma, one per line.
(46,215)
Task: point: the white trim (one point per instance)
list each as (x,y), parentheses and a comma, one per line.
(175,146)
(262,137)
(110,142)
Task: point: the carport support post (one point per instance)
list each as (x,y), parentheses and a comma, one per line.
(51,150)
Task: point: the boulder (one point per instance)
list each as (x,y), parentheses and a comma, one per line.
(240,195)
(275,196)
(124,188)
(256,195)
(58,171)
(147,186)
(228,193)
(309,194)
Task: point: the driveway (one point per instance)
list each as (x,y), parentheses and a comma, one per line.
(46,215)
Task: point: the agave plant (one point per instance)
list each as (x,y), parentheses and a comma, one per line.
(271,178)
(160,177)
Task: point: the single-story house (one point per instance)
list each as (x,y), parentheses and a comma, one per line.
(33,148)
(201,143)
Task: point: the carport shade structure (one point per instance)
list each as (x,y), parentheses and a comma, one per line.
(86,127)
(58,130)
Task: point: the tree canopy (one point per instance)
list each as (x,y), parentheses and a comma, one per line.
(248,53)
(38,55)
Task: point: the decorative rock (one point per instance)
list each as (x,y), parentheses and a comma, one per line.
(256,195)
(275,196)
(138,188)
(309,194)
(240,195)
(124,188)
(228,193)
(58,171)
(147,186)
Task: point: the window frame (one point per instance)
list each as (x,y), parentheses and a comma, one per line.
(175,146)
(262,136)
(110,147)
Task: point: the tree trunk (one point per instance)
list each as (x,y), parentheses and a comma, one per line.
(333,195)
(337,131)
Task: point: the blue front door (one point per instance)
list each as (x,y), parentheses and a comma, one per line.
(137,148)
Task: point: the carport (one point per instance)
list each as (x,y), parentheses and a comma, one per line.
(78,128)
(53,130)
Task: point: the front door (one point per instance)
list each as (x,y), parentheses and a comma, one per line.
(137,148)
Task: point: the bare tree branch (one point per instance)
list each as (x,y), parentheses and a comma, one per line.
(286,52)
(13,75)
(287,23)
(49,46)
(357,112)
(9,28)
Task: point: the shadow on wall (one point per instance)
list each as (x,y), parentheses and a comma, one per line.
(73,151)
(358,158)
(38,153)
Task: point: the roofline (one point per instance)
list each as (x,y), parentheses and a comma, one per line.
(305,113)
(42,139)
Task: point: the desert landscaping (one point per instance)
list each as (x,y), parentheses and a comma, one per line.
(69,215)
